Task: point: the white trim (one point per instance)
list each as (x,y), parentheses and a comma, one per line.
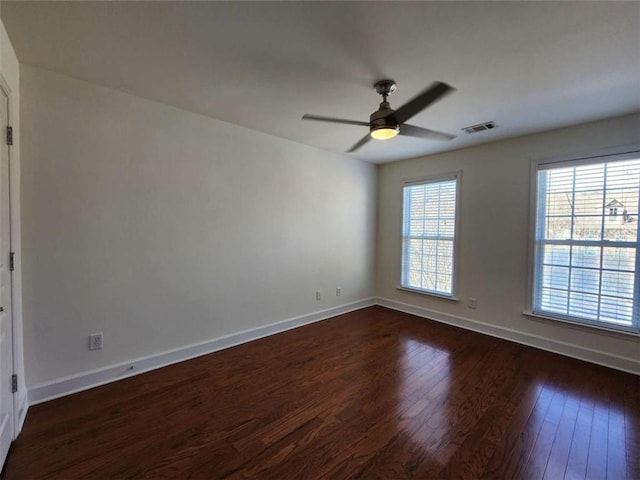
(531,237)
(427,292)
(93,378)
(22,411)
(610,154)
(613,330)
(626,364)
(451,176)
(431,179)
(19,397)
(591,156)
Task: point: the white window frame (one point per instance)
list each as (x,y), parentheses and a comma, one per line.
(627,152)
(457,176)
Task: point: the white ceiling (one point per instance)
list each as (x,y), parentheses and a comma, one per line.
(528,66)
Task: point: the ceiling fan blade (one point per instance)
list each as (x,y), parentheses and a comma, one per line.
(360,143)
(334,120)
(413,131)
(432,94)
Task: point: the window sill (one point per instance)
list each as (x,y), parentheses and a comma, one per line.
(591,326)
(428,294)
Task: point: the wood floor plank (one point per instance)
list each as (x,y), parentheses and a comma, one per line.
(542,450)
(406,439)
(370,394)
(374,410)
(558,458)
(631,407)
(616,448)
(514,447)
(489,434)
(522,451)
(579,450)
(598,446)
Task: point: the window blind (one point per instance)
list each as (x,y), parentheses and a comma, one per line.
(428,238)
(586,243)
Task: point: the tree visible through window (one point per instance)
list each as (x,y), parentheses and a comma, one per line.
(428,243)
(586,253)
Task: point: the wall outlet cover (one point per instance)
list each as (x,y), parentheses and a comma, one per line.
(95,341)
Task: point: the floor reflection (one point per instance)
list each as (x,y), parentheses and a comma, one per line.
(578,433)
(422,374)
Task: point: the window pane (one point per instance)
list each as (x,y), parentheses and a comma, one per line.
(583,305)
(560,203)
(446,227)
(554,301)
(588,177)
(617,284)
(432,227)
(621,216)
(617,311)
(587,228)
(558,228)
(556,277)
(556,254)
(415,260)
(619,258)
(428,281)
(588,203)
(586,281)
(586,256)
(416,227)
(444,283)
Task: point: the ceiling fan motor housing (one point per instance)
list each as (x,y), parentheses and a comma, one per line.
(380,118)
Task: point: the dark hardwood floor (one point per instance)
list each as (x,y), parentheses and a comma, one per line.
(370,394)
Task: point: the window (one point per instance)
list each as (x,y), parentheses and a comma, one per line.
(429,235)
(586,255)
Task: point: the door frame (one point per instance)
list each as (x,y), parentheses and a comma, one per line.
(19,397)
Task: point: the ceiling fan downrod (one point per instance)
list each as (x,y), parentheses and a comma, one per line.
(385,88)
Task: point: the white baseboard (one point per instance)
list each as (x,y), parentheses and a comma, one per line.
(626,364)
(93,378)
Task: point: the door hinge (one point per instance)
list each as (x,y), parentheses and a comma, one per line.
(12,261)
(9,135)
(14,383)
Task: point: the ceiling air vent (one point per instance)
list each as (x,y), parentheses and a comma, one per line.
(480,127)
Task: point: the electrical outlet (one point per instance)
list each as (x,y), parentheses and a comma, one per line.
(318,296)
(473,302)
(95,341)
(338,291)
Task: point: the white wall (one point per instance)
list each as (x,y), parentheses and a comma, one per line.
(10,76)
(494,217)
(162,228)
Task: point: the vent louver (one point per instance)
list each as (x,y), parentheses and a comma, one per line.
(480,127)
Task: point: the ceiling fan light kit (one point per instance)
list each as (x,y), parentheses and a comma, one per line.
(384,133)
(386,123)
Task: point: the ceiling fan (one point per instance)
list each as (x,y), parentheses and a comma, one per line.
(386,123)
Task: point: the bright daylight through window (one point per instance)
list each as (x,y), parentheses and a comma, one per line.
(428,236)
(586,241)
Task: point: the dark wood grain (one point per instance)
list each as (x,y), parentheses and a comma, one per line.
(370,394)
